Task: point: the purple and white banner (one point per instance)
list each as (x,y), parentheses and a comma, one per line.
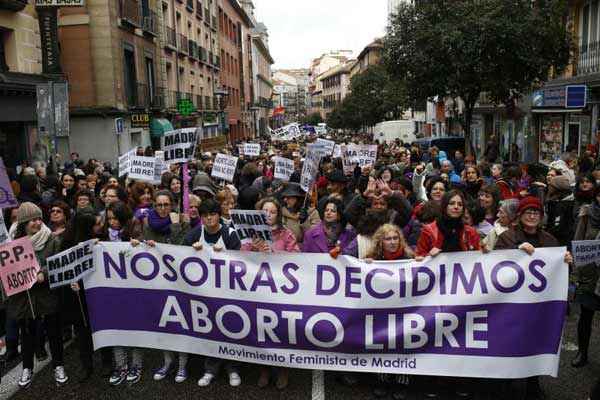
(496,315)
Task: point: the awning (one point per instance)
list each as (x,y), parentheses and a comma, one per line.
(556,110)
(158,126)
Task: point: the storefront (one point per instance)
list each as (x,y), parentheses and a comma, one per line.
(563,121)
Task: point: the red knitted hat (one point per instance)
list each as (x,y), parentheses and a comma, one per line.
(530,202)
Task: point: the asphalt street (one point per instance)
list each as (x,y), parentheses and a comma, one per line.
(571,384)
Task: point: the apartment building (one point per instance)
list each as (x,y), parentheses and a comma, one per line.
(370,55)
(336,83)
(20,69)
(235,39)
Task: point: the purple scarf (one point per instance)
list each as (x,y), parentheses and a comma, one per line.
(159,224)
(194,222)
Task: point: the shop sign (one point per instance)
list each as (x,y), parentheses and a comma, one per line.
(140,120)
(59,3)
(48,21)
(571,96)
(185,107)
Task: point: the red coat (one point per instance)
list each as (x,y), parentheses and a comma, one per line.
(431,237)
(506,192)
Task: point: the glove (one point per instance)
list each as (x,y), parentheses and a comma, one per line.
(303,215)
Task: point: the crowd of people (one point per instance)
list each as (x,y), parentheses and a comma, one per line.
(412,203)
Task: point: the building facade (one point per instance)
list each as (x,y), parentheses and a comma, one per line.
(370,55)
(336,85)
(262,86)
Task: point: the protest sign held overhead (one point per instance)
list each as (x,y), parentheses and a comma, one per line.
(142,168)
(463,314)
(125,162)
(358,154)
(179,145)
(251,149)
(250,224)
(284,168)
(224,167)
(327,146)
(18,266)
(7,197)
(310,168)
(215,143)
(71,265)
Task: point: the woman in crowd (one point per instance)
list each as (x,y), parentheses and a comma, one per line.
(472,182)
(227,202)
(587,293)
(60,213)
(559,209)
(174,186)
(140,199)
(294,216)
(330,235)
(163,225)
(507,213)
(66,189)
(39,302)
(528,234)
(283,241)
(389,244)
(213,233)
(489,199)
(195,219)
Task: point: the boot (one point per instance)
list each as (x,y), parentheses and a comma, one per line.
(580,360)
(12,350)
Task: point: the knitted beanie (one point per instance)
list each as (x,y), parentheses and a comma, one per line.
(28,211)
(530,202)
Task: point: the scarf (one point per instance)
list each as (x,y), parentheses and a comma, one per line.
(451,228)
(396,255)
(39,239)
(159,224)
(585,197)
(114,235)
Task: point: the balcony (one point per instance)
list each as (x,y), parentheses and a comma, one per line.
(210,57)
(150,22)
(215,103)
(588,61)
(157,101)
(199,9)
(183,44)
(193,49)
(171,99)
(208,103)
(207,16)
(190,5)
(130,12)
(202,54)
(217,61)
(214,22)
(170,38)
(198,102)
(137,95)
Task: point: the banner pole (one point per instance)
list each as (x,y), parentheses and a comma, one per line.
(81,308)
(30,304)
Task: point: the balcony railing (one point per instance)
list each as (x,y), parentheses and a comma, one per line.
(217,61)
(589,59)
(183,45)
(150,22)
(199,9)
(130,11)
(193,49)
(202,54)
(198,102)
(210,57)
(207,16)
(170,37)
(208,103)
(215,103)
(171,99)
(157,101)
(214,22)
(138,96)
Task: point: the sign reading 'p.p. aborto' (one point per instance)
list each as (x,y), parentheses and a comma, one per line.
(18,266)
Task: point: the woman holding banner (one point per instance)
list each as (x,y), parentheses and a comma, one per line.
(39,302)
(526,235)
(331,235)
(283,241)
(162,225)
(389,244)
(220,237)
(293,216)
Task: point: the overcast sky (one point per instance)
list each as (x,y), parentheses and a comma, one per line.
(300,30)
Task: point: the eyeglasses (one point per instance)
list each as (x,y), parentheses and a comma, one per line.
(163,205)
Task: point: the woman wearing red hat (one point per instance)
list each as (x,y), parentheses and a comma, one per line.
(526,235)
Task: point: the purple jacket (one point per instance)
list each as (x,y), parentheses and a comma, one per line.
(315,240)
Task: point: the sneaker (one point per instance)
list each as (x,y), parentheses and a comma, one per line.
(117,377)
(59,375)
(26,376)
(134,375)
(205,380)
(161,373)
(234,379)
(181,375)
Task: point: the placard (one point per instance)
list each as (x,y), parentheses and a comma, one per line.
(284,168)
(585,252)
(71,265)
(310,167)
(211,144)
(179,145)
(251,149)
(18,266)
(7,197)
(361,154)
(327,146)
(142,168)
(251,223)
(224,167)
(125,162)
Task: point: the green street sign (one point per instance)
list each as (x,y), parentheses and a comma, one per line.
(185,107)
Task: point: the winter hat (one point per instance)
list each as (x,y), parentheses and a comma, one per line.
(28,211)
(530,202)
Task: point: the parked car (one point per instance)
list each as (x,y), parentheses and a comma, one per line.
(449,144)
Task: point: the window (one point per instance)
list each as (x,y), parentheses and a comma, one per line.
(130,77)
(150,77)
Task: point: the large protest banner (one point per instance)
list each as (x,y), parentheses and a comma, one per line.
(310,168)
(250,224)
(224,167)
(179,145)
(7,197)
(284,168)
(495,315)
(71,265)
(18,266)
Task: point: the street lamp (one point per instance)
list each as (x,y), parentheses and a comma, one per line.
(222,94)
